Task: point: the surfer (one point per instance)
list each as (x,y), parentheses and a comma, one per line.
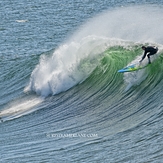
(149,50)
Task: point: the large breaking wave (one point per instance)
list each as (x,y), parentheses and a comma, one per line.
(74,61)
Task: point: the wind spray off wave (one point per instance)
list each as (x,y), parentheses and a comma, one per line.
(69,65)
(75,59)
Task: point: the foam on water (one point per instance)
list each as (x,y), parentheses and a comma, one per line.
(17,108)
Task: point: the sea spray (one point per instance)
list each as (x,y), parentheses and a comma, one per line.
(70,64)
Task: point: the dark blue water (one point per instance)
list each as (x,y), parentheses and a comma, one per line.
(61,98)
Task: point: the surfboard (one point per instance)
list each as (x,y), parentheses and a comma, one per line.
(134,67)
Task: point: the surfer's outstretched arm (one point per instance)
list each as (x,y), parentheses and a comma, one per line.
(143,57)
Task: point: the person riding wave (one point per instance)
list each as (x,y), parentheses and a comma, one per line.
(149,50)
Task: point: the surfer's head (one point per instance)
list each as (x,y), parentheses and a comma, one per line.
(143,47)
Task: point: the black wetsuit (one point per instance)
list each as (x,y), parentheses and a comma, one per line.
(150,50)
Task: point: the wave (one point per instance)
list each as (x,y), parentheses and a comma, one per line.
(77,58)
(95,75)
(89,62)
(69,65)
(59,73)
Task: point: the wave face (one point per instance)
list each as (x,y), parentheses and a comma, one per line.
(71,105)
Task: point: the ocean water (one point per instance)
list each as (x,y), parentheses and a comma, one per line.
(61,97)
